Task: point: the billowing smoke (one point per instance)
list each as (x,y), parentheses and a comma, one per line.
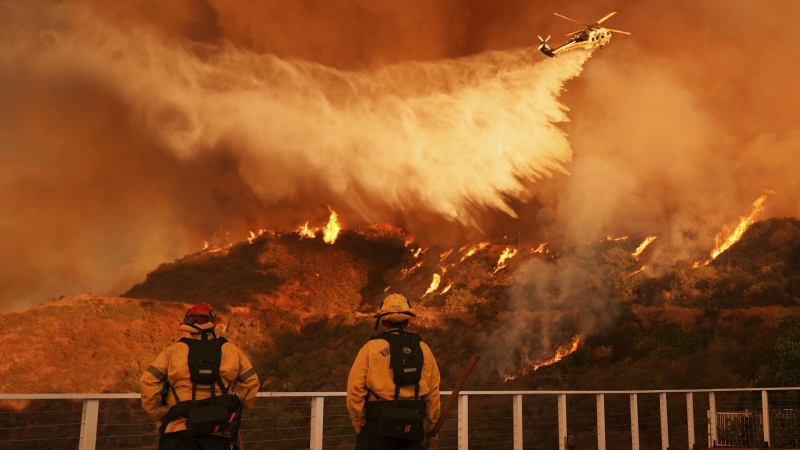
(445,139)
(132,131)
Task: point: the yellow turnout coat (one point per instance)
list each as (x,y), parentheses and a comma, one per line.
(371,371)
(173,365)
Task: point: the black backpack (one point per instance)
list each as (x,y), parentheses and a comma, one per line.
(212,414)
(402,418)
(406,358)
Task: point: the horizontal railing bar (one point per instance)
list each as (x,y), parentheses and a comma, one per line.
(87,396)
(92,396)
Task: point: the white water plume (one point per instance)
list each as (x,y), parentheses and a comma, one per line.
(441,137)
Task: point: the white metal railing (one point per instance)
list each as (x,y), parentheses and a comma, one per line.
(718,422)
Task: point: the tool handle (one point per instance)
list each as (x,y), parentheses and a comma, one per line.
(451,400)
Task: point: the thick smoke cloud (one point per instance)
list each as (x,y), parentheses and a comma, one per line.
(131,131)
(441,138)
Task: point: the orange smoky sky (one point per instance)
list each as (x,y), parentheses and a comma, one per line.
(132,131)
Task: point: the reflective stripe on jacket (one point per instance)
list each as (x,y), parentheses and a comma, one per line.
(371,370)
(173,363)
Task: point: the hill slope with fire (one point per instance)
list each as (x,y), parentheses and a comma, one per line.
(301,307)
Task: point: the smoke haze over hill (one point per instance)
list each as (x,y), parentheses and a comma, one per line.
(130,133)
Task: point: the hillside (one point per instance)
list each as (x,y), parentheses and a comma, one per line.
(300,308)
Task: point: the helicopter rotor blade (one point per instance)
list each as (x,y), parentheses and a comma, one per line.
(574,32)
(573,20)
(543,42)
(604,18)
(618,31)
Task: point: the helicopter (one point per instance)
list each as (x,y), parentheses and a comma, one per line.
(591,37)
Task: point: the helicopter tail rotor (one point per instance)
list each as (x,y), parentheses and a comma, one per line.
(543,42)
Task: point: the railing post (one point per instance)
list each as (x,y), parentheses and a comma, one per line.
(317,416)
(690,418)
(662,401)
(634,422)
(765,416)
(91,409)
(601,422)
(712,420)
(463,422)
(562,422)
(518,422)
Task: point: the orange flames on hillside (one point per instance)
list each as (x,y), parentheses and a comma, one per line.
(306,232)
(722,244)
(561,352)
(507,254)
(540,248)
(409,270)
(210,248)
(474,250)
(332,228)
(253,235)
(330,231)
(434,284)
(637,271)
(647,241)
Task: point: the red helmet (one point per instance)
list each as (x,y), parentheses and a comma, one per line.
(200,314)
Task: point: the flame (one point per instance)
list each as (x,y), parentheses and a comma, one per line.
(406,272)
(540,248)
(744,224)
(561,352)
(647,241)
(434,284)
(306,232)
(253,236)
(638,271)
(444,291)
(444,255)
(211,248)
(387,289)
(330,231)
(508,253)
(612,238)
(474,250)
(332,228)
(417,252)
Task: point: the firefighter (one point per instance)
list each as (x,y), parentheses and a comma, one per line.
(170,388)
(393,387)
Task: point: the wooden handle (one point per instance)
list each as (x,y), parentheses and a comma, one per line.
(452,399)
(241,442)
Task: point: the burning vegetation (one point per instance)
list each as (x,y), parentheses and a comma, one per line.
(723,244)
(507,254)
(330,231)
(561,352)
(647,241)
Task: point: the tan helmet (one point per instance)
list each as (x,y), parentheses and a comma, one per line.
(394,308)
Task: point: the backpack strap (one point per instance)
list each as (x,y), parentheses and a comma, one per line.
(224,389)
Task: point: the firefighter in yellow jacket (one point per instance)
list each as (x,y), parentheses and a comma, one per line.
(378,406)
(167,382)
